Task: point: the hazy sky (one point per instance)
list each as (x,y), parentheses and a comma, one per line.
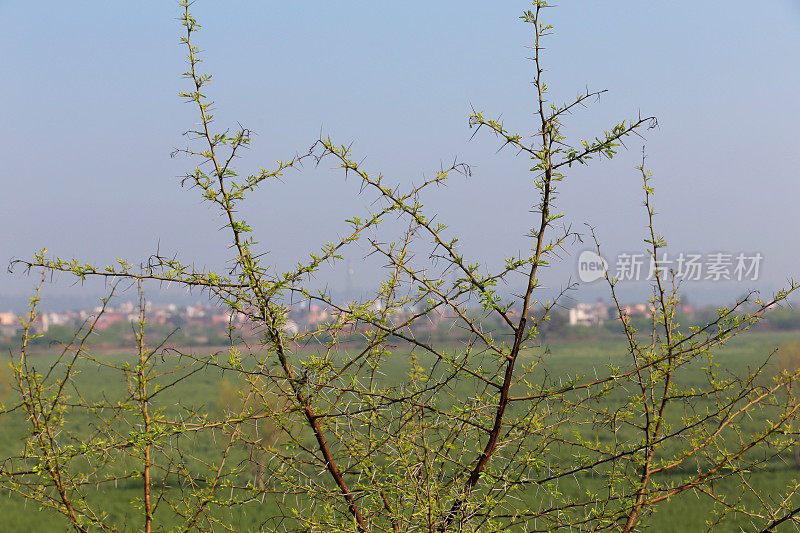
(90,115)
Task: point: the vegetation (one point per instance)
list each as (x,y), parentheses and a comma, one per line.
(399,433)
(212,391)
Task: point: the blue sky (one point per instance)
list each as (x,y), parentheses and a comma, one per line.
(91,114)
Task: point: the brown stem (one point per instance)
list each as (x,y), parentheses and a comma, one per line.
(547,133)
(143,402)
(247,263)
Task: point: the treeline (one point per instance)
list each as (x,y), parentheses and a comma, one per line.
(556,328)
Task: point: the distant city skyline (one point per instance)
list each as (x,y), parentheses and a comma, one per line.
(92,114)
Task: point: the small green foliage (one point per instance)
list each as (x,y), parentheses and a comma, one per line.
(368,418)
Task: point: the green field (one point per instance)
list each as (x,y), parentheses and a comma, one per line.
(205,392)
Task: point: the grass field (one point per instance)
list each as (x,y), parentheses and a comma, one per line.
(204,392)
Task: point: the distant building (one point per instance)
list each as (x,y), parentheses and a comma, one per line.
(107,319)
(640,310)
(588,314)
(8,324)
(290,327)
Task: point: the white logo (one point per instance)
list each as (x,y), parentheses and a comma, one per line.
(591,266)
